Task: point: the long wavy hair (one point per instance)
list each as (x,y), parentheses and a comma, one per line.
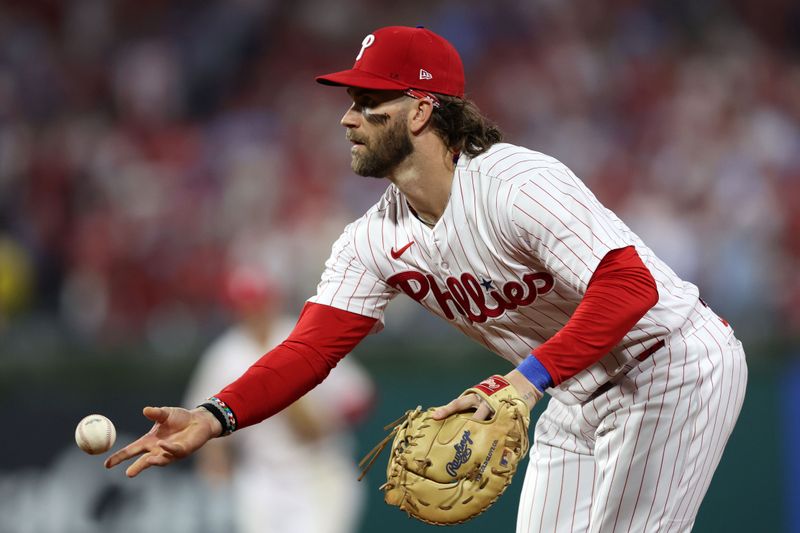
(462,127)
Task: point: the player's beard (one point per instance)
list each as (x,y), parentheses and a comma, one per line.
(381,154)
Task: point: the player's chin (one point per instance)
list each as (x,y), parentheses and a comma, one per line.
(363,170)
(370,176)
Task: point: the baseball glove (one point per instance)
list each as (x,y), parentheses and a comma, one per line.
(448,471)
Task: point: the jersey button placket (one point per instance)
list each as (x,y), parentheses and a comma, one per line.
(443,264)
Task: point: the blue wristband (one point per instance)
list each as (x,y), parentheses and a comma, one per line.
(536,373)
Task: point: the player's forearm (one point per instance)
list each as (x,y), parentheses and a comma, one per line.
(618,296)
(322,336)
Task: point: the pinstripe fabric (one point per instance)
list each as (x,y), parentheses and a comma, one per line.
(507,264)
(639,456)
(512,212)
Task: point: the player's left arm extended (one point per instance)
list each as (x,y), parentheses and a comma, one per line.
(621,291)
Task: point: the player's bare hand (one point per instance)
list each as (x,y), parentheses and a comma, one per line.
(467,402)
(176,433)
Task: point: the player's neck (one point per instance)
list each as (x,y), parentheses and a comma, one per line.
(425,178)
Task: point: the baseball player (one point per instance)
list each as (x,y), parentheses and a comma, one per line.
(510,247)
(293,473)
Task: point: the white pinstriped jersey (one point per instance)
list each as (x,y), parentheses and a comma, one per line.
(507,263)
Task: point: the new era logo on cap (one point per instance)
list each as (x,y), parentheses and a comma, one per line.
(390,59)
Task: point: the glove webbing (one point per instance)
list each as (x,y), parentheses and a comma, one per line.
(367,461)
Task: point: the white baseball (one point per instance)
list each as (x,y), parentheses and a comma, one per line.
(95,434)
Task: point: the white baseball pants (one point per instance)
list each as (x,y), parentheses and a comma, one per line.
(640,455)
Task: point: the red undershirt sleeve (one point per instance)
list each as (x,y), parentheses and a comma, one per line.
(621,291)
(323,336)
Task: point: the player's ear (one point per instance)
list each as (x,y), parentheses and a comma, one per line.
(420,115)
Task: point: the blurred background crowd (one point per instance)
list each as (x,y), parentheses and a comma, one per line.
(148,145)
(145,143)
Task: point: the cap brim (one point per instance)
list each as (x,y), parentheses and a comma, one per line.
(361,80)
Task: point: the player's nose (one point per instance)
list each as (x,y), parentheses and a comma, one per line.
(350,118)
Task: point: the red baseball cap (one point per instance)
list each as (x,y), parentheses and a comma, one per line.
(246,289)
(400,58)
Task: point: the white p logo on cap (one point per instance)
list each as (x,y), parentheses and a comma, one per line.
(366,43)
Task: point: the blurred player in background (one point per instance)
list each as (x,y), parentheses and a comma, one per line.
(294,473)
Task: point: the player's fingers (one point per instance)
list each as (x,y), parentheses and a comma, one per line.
(446,410)
(462,403)
(156,414)
(160,460)
(140,464)
(131,450)
(483,412)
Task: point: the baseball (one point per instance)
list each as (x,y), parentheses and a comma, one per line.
(95,434)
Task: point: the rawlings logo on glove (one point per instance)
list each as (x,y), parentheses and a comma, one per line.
(448,471)
(463,454)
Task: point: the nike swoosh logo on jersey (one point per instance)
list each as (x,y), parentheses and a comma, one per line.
(396,254)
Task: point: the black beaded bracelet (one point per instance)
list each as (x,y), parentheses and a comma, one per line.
(222,413)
